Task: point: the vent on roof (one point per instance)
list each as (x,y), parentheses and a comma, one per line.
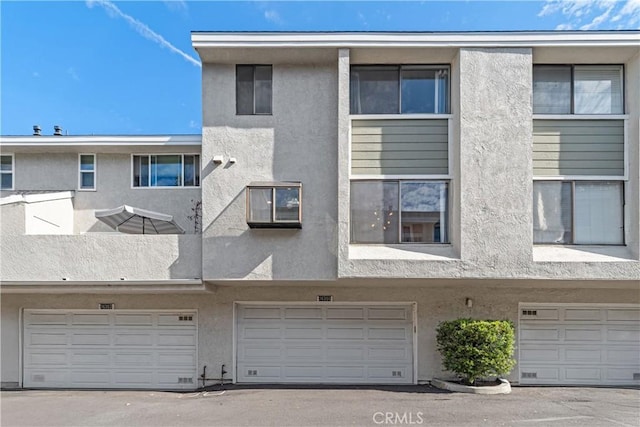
(325,298)
(57,130)
(106,306)
(36,130)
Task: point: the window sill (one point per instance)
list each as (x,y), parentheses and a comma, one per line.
(581,253)
(410,251)
(580,116)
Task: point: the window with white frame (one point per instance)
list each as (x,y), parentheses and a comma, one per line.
(87,171)
(397,211)
(399,89)
(578,212)
(6,172)
(578,89)
(166,170)
(253,89)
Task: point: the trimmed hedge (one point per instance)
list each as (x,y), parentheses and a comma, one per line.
(476,349)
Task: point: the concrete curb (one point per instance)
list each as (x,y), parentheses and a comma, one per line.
(503,388)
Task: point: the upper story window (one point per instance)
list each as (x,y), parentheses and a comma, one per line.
(6,172)
(578,212)
(253,89)
(274,205)
(578,89)
(399,89)
(87,172)
(166,170)
(395,211)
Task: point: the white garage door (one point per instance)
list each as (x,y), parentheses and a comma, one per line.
(325,344)
(579,345)
(110,349)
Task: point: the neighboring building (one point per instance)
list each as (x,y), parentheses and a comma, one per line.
(356,189)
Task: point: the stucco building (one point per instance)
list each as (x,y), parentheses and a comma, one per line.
(348,192)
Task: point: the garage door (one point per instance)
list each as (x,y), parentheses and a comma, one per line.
(110,349)
(579,345)
(325,344)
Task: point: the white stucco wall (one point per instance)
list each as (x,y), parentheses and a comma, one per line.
(435,302)
(298,142)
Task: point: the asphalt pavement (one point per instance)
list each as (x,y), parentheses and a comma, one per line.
(322,406)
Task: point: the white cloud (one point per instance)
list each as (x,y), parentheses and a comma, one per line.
(141,28)
(35,74)
(598,20)
(72,72)
(593,14)
(176,5)
(273,16)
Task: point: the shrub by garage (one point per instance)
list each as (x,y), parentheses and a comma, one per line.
(476,349)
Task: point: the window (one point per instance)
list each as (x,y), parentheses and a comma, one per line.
(405,89)
(253,89)
(578,212)
(87,172)
(399,212)
(6,172)
(166,170)
(578,89)
(286,212)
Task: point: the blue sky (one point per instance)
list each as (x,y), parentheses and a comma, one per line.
(101,67)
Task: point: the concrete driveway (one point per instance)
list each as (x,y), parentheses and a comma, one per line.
(323,406)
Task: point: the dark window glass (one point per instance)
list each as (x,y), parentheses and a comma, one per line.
(253,89)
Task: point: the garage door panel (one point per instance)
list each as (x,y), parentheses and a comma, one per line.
(47,358)
(302,333)
(540,334)
(628,335)
(260,313)
(583,314)
(388,313)
(315,352)
(261,333)
(345,313)
(576,355)
(91,338)
(134,319)
(90,319)
(303,313)
(45,319)
(583,333)
(84,358)
(539,353)
(325,344)
(339,373)
(345,333)
(626,315)
(348,354)
(378,333)
(624,355)
(623,375)
(597,345)
(101,353)
(182,339)
(389,353)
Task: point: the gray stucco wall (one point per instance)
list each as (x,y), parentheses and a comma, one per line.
(59,171)
(435,302)
(297,142)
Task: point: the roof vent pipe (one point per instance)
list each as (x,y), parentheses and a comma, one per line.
(57,130)
(36,130)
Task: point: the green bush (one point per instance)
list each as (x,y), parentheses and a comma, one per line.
(475,349)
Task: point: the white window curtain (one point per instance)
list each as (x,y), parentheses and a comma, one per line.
(552,90)
(599,216)
(598,89)
(552,212)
